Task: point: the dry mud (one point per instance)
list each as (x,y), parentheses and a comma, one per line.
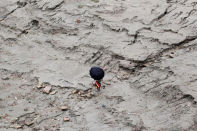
(148,48)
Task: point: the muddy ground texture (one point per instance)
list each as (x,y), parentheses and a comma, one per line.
(148,48)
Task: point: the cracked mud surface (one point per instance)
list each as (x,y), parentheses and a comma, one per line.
(147,47)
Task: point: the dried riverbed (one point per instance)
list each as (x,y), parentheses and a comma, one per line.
(148,48)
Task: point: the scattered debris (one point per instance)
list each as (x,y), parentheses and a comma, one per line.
(64,108)
(78,21)
(95,1)
(128,124)
(77,114)
(147,64)
(66,119)
(5,78)
(75,91)
(39,85)
(21,122)
(64,92)
(103,105)
(28,123)
(47,89)
(53,92)
(83,95)
(26,109)
(17,127)
(80,6)
(170,55)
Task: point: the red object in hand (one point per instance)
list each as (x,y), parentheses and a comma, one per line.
(98,84)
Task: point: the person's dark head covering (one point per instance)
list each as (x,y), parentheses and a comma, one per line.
(97,73)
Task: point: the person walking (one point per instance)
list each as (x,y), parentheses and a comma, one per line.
(97,74)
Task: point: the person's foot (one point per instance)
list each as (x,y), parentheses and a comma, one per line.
(97,90)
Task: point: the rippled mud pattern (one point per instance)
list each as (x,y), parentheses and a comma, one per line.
(147,47)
